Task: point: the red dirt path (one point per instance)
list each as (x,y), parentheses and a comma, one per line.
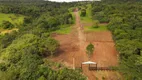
(73,45)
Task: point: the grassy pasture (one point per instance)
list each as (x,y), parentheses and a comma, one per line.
(15,19)
(88,20)
(88,17)
(102,27)
(64,29)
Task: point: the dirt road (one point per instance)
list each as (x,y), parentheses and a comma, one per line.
(72,51)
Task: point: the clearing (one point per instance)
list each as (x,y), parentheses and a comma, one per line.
(15,19)
(73,46)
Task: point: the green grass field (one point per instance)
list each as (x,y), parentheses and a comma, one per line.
(88,17)
(15,19)
(102,27)
(64,29)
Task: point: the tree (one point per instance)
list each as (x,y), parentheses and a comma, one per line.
(20,52)
(52,45)
(83,13)
(42,78)
(48,46)
(90,50)
(27,20)
(7,39)
(7,25)
(101,16)
(96,24)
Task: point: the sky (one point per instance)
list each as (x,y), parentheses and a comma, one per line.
(66,0)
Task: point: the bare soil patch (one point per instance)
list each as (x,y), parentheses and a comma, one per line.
(68,47)
(102,36)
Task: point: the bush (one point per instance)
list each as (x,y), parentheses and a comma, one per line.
(101,17)
(27,20)
(7,25)
(96,25)
(83,13)
(58,65)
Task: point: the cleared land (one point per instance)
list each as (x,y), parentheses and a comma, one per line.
(73,46)
(15,19)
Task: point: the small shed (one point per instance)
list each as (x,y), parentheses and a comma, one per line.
(89,63)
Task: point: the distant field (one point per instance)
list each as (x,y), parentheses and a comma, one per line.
(64,29)
(88,17)
(13,18)
(88,22)
(102,27)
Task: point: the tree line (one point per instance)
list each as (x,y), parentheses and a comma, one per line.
(124,21)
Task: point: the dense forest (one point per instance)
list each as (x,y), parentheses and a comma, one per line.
(124,20)
(22,52)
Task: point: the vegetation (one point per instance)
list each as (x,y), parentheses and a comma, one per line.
(64,29)
(102,27)
(88,16)
(22,52)
(14,19)
(83,13)
(96,24)
(124,18)
(7,25)
(10,21)
(89,50)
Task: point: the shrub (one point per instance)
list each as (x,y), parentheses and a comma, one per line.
(83,13)
(96,25)
(7,25)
